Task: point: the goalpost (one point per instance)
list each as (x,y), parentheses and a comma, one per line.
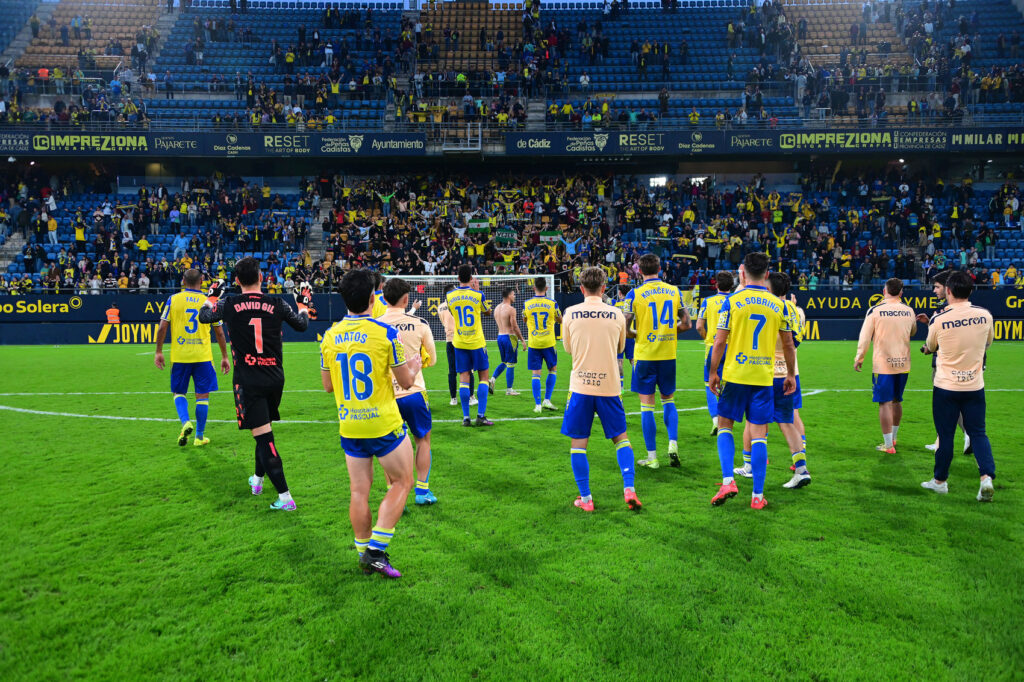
(430,290)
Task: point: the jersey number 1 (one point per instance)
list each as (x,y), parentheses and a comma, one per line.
(257,333)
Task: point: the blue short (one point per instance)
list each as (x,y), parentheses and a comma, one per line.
(651,374)
(739,400)
(798,397)
(471,359)
(784,404)
(537,357)
(202,374)
(507,350)
(416,413)
(579,415)
(707,365)
(627,353)
(364,448)
(888,388)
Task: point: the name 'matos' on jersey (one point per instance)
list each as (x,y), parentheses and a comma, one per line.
(190,338)
(754,317)
(796,322)
(254,324)
(710,310)
(467,305)
(540,313)
(594,333)
(418,340)
(655,306)
(359,352)
(888,327)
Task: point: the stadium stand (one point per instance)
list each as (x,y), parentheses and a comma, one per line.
(16,13)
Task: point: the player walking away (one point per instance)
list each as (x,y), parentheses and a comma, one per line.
(412,402)
(784,412)
(509,338)
(960,336)
(448,322)
(653,308)
(541,313)
(622,304)
(361,358)
(254,324)
(379,304)
(750,320)
(707,323)
(939,291)
(594,333)
(467,305)
(191,355)
(888,327)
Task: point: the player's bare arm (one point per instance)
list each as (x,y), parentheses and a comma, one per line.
(789,351)
(225,362)
(684,320)
(161,335)
(702,331)
(405,374)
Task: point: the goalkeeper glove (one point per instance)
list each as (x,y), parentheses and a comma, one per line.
(216,291)
(304,300)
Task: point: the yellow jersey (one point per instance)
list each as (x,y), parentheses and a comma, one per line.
(710,310)
(754,317)
(359,352)
(190,338)
(540,313)
(655,306)
(796,321)
(466,306)
(380,306)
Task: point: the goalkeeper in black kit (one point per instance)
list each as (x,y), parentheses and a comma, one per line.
(253,321)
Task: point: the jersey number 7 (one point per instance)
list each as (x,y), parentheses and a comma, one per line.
(761,321)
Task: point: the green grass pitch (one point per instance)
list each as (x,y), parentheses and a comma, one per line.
(125,557)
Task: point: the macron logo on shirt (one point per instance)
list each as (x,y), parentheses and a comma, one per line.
(966,322)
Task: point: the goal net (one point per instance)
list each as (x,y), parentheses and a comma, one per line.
(430,290)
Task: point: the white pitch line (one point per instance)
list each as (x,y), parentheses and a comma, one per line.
(47,413)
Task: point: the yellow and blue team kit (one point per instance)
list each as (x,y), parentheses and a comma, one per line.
(467,307)
(630,348)
(710,311)
(380,306)
(655,306)
(191,351)
(753,317)
(359,352)
(541,314)
(786,404)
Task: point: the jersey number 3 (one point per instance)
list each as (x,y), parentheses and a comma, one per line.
(355,375)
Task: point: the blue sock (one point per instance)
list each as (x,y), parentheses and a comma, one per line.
(624,454)
(464,399)
(498,372)
(549,388)
(726,451)
(746,456)
(804,440)
(482,392)
(759,463)
(510,376)
(649,428)
(202,409)
(535,384)
(712,399)
(580,470)
(800,460)
(181,405)
(671,415)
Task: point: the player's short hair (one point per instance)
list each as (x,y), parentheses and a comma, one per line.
(778,282)
(725,281)
(960,284)
(941,278)
(894,286)
(756,264)
(465,273)
(624,289)
(448,287)
(395,289)
(247,271)
(592,279)
(378,279)
(357,290)
(649,264)
(540,284)
(506,291)
(192,277)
